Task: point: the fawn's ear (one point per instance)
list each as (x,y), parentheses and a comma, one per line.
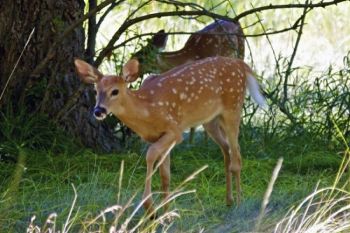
(159,40)
(131,70)
(86,72)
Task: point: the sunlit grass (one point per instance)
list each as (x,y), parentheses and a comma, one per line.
(45,187)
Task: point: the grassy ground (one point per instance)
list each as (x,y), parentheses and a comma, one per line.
(44,185)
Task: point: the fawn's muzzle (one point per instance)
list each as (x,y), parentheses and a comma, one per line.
(100,113)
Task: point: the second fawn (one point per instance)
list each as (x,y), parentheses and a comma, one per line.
(208,92)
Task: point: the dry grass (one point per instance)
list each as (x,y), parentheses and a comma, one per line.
(122,220)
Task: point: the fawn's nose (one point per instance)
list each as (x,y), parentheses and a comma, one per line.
(100,113)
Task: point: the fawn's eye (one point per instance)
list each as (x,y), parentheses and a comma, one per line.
(114,92)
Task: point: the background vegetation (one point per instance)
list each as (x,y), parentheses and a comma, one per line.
(306,79)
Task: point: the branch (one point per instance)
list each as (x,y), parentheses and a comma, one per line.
(133,21)
(102,18)
(322,4)
(125,42)
(91,35)
(288,71)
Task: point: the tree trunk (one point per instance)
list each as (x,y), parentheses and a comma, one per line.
(52,88)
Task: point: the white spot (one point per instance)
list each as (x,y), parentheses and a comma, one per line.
(231,89)
(174,90)
(160,103)
(183,96)
(173,104)
(152,92)
(228,80)
(159,84)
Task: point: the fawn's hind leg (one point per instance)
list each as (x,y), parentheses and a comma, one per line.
(217,134)
(229,122)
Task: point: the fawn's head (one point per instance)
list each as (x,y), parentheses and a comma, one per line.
(147,55)
(110,89)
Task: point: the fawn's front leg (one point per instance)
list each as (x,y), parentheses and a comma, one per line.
(164,171)
(156,152)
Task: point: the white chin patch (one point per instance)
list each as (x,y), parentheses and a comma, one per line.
(102,117)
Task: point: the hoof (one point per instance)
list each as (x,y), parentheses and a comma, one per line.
(229,201)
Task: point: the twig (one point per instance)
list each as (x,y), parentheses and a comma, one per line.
(322,4)
(268,193)
(136,20)
(102,18)
(288,71)
(125,42)
(14,68)
(91,34)
(67,225)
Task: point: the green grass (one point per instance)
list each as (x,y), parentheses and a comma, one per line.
(46,182)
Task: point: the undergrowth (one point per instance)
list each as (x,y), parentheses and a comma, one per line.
(46,178)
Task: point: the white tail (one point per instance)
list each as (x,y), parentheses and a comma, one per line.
(209,92)
(254,90)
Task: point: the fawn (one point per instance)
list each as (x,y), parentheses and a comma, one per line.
(208,92)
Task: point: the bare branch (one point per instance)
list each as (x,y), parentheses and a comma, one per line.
(322,4)
(102,18)
(133,21)
(125,42)
(91,35)
(288,71)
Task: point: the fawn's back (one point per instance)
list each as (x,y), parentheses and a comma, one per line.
(193,94)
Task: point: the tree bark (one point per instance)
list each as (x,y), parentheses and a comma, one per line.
(52,88)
